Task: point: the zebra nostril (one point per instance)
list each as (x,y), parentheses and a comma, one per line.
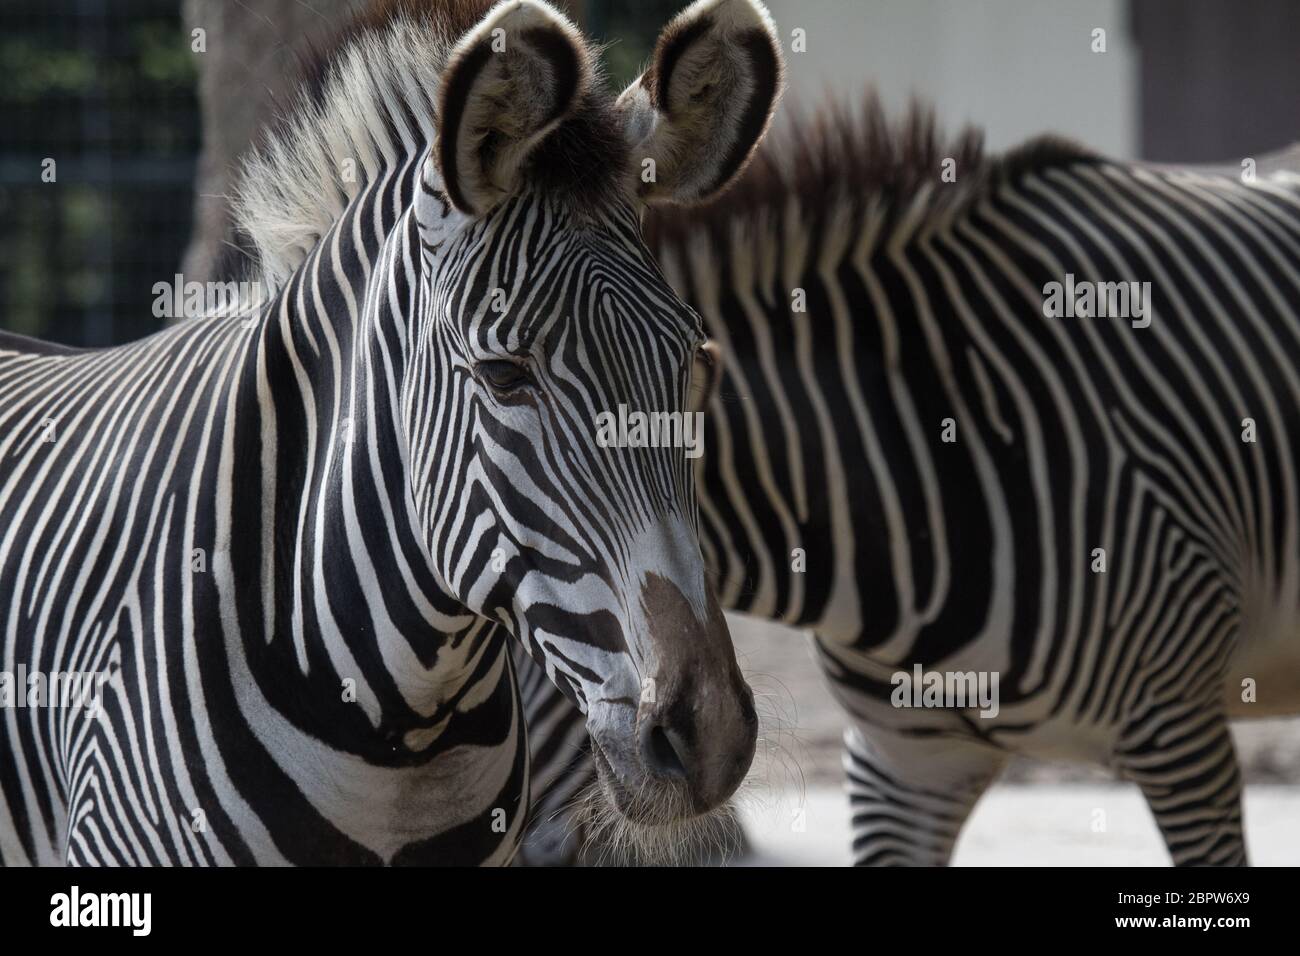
(660,754)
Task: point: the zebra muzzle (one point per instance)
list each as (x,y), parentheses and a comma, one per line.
(697,727)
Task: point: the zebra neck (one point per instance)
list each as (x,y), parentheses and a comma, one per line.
(775,513)
(820,481)
(339,589)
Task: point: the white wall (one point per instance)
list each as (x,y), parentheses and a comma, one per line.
(1016,68)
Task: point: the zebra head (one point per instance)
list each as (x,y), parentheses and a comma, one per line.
(539,308)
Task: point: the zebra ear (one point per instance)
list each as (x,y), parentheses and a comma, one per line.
(694,117)
(706,373)
(508,83)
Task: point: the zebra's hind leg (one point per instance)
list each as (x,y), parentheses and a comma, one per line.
(1185,763)
(910,795)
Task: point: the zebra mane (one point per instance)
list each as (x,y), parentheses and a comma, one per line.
(372,87)
(843,158)
(366,102)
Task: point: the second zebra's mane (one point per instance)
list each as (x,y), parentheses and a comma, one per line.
(366,102)
(843,159)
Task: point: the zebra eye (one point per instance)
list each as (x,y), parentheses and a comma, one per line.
(501,375)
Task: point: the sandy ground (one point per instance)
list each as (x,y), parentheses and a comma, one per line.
(1025,825)
(1039,813)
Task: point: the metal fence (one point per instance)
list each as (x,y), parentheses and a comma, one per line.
(99,137)
(99,133)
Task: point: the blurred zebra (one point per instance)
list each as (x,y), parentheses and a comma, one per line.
(922,454)
(294,537)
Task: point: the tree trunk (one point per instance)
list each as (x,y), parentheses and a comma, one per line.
(246,76)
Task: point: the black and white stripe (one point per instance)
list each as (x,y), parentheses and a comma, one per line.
(925,302)
(297,538)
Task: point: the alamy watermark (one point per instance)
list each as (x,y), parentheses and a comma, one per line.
(948,689)
(21,688)
(179,299)
(1103,300)
(637,429)
(133,911)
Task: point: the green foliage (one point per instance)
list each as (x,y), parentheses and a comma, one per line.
(35,70)
(107,91)
(636,25)
(161,56)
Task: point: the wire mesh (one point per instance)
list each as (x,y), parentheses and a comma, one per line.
(99,133)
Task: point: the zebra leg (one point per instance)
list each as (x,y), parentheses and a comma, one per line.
(910,795)
(1184,760)
(562,768)
(556,835)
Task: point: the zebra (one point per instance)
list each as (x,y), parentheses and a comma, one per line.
(292,539)
(914,454)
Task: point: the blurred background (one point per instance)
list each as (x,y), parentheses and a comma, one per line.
(145,105)
(121,122)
